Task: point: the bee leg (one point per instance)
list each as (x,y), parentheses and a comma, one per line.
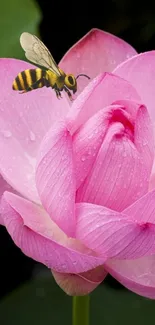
(26,90)
(22,92)
(60,94)
(57,93)
(68,93)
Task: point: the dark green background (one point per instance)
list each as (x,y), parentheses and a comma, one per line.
(42,302)
(28,294)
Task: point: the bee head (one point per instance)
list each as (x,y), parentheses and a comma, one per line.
(71,83)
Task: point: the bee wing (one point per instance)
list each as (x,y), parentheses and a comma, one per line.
(37,52)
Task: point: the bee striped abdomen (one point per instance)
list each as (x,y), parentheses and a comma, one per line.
(26,80)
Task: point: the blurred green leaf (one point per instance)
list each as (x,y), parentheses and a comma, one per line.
(16,16)
(42,302)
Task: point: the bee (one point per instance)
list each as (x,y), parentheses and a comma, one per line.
(48,73)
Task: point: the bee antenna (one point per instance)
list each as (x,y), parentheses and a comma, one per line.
(82,75)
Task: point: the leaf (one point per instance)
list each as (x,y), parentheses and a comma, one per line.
(17,17)
(42,302)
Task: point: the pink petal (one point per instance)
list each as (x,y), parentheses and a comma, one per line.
(80,284)
(143,210)
(55,177)
(152,178)
(101,92)
(88,139)
(1,221)
(110,233)
(41,239)
(140,72)
(4,186)
(24,119)
(122,165)
(136,275)
(96,52)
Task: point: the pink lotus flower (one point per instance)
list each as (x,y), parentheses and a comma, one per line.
(81,196)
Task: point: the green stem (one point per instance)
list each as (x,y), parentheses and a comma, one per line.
(80,310)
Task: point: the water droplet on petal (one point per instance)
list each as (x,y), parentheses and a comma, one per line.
(6,133)
(96,131)
(128,56)
(78,55)
(64,266)
(83,158)
(32,136)
(144,143)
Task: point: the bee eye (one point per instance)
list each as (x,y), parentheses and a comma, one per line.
(70,79)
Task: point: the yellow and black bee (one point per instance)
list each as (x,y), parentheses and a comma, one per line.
(49,76)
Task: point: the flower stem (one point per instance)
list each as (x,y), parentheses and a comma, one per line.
(80,310)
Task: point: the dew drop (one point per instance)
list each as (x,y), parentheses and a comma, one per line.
(83,158)
(96,131)
(64,266)
(74,262)
(144,143)
(78,55)
(32,136)
(6,133)
(128,56)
